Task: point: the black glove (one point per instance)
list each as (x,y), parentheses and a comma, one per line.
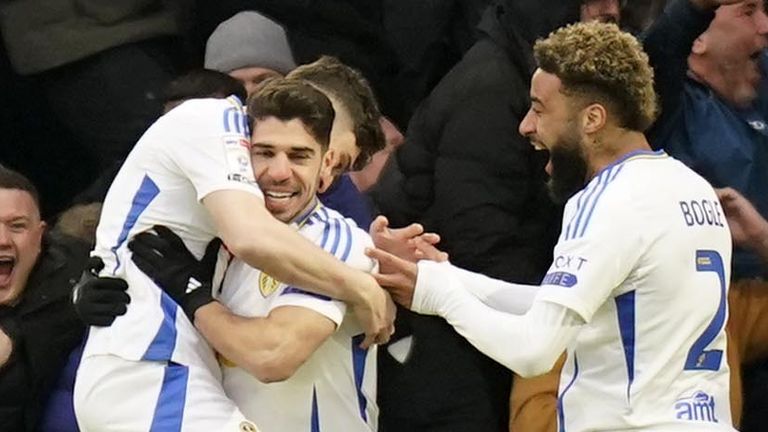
(167,261)
(99,300)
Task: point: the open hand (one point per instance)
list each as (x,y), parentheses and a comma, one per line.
(399,278)
(410,243)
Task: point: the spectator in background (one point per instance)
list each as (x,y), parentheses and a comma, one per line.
(712,89)
(534,402)
(357,132)
(607,11)
(38,324)
(251,48)
(79,52)
(465,173)
(710,76)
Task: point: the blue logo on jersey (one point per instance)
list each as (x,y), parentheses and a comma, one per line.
(699,407)
(563,279)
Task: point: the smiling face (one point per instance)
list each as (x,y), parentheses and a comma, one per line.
(287,162)
(552,124)
(730,49)
(21,232)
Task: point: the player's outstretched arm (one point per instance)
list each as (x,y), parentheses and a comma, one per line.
(545,330)
(254,236)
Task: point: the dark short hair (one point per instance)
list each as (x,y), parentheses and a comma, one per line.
(353,91)
(203,83)
(10,179)
(287,99)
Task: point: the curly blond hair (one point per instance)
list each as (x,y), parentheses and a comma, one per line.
(597,62)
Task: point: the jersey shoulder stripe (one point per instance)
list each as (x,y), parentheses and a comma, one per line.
(235,120)
(144,195)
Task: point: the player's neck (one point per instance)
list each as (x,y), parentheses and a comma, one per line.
(613,147)
(305,212)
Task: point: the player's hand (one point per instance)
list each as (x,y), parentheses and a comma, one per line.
(375,311)
(167,261)
(410,243)
(99,300)
(399,278)
(748,227)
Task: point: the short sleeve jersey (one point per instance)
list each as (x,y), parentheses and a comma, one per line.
(335,389)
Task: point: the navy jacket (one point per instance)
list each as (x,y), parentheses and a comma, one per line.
(725,145)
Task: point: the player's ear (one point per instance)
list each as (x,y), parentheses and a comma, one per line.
(327,171)
(594,117)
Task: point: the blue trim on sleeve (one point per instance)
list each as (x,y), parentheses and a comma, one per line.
(358,365)
(348,248)
(169,411)
(162,346)
(147,192)
(294,290)
(560,411)
(625,310)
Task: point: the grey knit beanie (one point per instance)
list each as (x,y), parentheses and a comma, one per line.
(249,39)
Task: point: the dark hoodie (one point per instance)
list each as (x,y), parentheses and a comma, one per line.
(466,173)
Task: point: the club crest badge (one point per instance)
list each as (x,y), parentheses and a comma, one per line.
(267,284)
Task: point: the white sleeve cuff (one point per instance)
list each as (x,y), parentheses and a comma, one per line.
(432,280)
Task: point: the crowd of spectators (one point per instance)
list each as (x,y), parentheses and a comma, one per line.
(81,81)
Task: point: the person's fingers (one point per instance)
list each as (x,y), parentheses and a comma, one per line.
(95,264)
(170,237)
(386,259)
(390,281)
(149,245)
(211,253)
(369,340)
(378,225)
(430,238)
(409,231)
(146,266)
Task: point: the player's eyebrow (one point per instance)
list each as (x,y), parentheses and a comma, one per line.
(534,99)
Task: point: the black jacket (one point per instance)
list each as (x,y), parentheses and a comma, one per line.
(44,328)
(466,173)
(464,170)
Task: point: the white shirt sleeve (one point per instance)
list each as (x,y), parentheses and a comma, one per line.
(350,248)
(528,344)
(599,246)
(500,295)
(214,148)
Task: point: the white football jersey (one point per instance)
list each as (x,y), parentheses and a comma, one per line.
(199,147)
(335,389)
(644,258)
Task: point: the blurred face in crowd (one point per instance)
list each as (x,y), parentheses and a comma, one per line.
(287,162)
(607,11)
(21,234)
(726,56)
(552,124)
(252,76)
